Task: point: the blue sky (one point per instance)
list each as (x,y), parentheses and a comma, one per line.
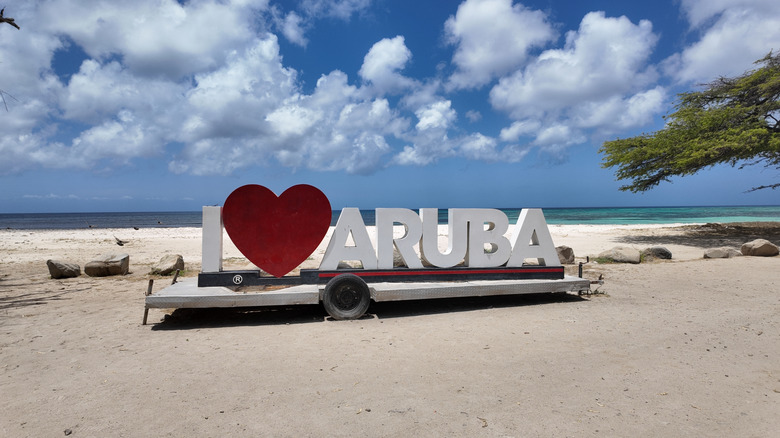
(157,105)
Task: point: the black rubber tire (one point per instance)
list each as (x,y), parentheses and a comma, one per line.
(346,297)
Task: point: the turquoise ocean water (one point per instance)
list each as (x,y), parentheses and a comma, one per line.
(659,215)
(608,216)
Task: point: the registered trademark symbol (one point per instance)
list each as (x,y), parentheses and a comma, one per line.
(237,279)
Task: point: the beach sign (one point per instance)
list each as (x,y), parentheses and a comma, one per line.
(476,239)
(278,233)
(275,233)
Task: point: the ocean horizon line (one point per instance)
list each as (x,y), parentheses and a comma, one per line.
(410,208)
(553,215)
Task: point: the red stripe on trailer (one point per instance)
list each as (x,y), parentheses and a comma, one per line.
(442,272)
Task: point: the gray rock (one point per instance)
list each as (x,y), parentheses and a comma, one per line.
(622,254)
(59,269)
(168,265)
(110,264)
(565,254)
(656,252)
(723,252)
(427,264)
(761,248)
(349,264)
(398,261)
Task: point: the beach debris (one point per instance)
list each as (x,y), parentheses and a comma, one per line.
(350,264)
(760,248)
(656,253)
(565,254)
(622,254)
(723,252)
(109,264)
(59,269)
(168,264)
(120,242)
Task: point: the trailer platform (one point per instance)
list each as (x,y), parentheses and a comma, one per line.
(186,294)
(347,293)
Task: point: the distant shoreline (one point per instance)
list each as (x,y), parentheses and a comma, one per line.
(147,245)
(554,216)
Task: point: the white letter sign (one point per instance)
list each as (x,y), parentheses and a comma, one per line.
(531,240)
(486,227)
(476,236)
(429,245)
(385,219)
(350,223)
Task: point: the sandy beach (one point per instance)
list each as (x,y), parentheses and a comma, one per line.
(686,347)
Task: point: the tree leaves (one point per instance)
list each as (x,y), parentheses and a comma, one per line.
(732,121)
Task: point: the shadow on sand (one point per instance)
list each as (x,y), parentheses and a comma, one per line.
(712,235)
(37,293)
(185,319)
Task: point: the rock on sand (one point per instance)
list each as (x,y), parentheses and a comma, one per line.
(761,248)
(168,264)
(622,254)
(110,264)
(59,269)
(723,252)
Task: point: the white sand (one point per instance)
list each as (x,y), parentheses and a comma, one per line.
(147,245)
(688,347)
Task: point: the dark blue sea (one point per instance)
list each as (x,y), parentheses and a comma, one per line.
(608,216)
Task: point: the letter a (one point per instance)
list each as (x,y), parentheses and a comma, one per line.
(350,222)
(531,240)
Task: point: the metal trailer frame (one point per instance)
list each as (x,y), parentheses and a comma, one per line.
(217,288)
(187,294)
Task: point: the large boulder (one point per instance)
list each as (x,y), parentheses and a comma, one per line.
(169,264)
(723,252)
(565,254)
(761,248)
(398,261)
(656,253)
(59,269)
(622,254)
(109,264)
(350,264)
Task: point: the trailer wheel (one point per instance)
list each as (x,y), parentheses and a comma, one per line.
(346,297)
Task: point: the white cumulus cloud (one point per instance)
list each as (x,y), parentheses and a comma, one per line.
(605,57)
(293,28)
(203,84)
(383,63)
(295,23)
(596,82)
(438,115)
(154,37)
(733,34)
(430,139)
(492,37)
(479,147)
(342,9)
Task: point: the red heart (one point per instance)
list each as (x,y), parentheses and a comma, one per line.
(276,234)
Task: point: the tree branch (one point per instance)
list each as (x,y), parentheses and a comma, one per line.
(7,19)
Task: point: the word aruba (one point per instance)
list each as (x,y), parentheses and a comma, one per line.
(476,236)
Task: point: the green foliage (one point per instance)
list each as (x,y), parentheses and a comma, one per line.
(604,260)
(732,121)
